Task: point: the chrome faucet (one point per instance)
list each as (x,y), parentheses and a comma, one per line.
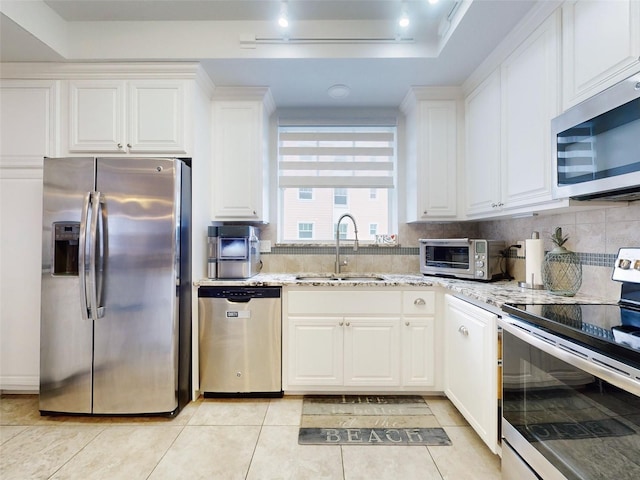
(355,244)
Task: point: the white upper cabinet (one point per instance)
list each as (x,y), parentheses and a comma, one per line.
(600,46)
(240,174)
(482,166)
(127,116)
(508,140)
(432,153)
(529,86)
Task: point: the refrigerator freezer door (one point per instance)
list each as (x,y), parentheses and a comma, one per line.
(136,340)
(65,338)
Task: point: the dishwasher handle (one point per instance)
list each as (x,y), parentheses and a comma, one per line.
(239,299)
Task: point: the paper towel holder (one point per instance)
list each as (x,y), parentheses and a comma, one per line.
(531,284)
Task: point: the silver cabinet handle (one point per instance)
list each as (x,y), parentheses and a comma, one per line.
(407,323)
(348,324)
(341,323)
(119,145)
(419,301)
(128,145)
(463,330)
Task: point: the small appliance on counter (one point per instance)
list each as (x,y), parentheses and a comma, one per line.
(233,252)
(467,258)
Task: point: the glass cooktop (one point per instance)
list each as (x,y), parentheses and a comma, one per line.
(613,330)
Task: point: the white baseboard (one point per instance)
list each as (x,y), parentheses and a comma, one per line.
(19,384)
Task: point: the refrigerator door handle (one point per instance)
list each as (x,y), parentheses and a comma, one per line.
(95,310)
(82,265)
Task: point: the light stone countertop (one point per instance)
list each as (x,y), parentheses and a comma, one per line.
(491,293)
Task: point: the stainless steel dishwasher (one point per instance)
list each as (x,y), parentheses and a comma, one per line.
(240,341)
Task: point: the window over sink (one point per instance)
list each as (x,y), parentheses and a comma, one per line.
(326,171)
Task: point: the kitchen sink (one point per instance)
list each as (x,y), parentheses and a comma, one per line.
(342,277)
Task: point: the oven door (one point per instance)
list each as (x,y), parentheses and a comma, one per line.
(564,415)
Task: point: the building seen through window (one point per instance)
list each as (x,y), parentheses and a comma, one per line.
(325,172)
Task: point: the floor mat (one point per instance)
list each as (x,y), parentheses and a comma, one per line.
(369,420)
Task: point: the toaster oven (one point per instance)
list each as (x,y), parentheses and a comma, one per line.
(471,259)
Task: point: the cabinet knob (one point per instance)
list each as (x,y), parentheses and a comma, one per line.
(463,330)
(424,213)
(419,301)
(407,323)
(500,204)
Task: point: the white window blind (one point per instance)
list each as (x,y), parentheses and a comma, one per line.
(336,157)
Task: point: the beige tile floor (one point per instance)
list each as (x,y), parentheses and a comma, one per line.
(254,439)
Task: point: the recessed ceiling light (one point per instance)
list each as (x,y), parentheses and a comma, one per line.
(403,21)
(339,91)
(283,18)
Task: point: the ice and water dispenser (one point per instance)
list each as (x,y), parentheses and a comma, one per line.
(66,239)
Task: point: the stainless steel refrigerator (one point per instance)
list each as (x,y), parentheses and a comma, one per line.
(116,286)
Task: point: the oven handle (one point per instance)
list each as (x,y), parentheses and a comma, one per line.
(597,365)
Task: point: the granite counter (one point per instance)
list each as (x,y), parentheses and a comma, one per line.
(491,293)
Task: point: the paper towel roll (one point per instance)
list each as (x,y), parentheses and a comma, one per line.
(534,255)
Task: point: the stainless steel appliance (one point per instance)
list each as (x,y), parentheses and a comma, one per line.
(595,150)
(571,385)
(240,341)
(472,259)
(238,252)
(116,303)
(212,252)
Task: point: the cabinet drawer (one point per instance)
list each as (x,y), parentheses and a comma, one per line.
(344,302)
(419,303)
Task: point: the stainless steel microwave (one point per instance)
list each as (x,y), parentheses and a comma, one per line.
(596,147)
(472,259)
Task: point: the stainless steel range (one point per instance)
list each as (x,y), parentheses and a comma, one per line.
(571,385)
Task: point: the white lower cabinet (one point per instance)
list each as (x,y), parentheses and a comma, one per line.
(335,351)
(358,338)
(471,366)
(315,351)
(372,351)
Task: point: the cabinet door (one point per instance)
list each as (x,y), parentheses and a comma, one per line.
(29,117)
(471,366)
(156,120)
(482,166)
(371,351)
(601,46)
(418,351)
(437,159)
(530,88)
(97,116)
(237,155)
(315,351)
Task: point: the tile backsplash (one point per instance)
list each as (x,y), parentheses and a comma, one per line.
(596,235)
